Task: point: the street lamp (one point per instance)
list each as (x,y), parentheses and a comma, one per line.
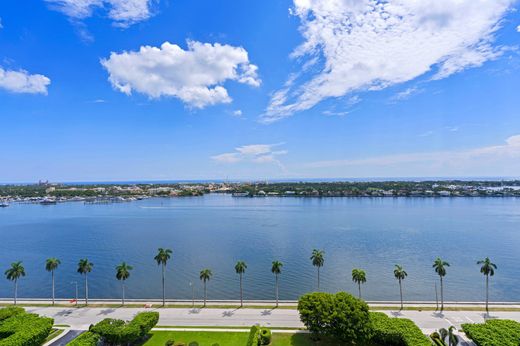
(192,294)
(75,283)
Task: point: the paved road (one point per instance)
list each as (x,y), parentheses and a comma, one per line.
(81,318)
(66,338)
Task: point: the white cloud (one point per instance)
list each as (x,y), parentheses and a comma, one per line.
(482,155)
(23,82)
(257,153)
(372,44)
(406,94)
(237,113)
(123,12)
(194,75)
(518,28)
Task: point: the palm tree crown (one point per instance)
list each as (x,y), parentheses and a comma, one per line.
(317,258)
(205,274)
(240,267)
(123,271)
(52,264)
(163,255)
(399,272)
(487,267)
(359,276)
(440,266)
(276,267)
(84,266)
(15,272)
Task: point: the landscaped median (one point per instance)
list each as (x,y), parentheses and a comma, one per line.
(494,332)
(18,328)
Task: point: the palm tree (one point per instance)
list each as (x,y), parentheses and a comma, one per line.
(400,274)
(85,267)
(359,277)
(488,269)
(51,264)
(122,274)
(317,261)
(240,269)
(14,273)
(162,257)
(205,275)
(440,269)
(276,269)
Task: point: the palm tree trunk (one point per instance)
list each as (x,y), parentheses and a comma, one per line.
(52,273)
(86,289)
(401,293)
(241,296)
(15,290)
(487,293)
(359,288)
(442,295)
(318,278)
(163,292)
(205,293)
(123,286)
(276,276)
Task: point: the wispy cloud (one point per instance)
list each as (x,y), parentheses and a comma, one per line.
(406,94)
(237,113)
(257,153)
(511,149)
(371,44)
(123,12)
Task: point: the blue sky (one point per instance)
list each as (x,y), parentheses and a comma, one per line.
(100,90)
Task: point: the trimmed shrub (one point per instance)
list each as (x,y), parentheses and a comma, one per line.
(340,316)
(396,331)
(23,329)
(170,342)
(265,336)
(254,336)
(115,332)
(11,311)
(85,339)
(144,322)
(494,332)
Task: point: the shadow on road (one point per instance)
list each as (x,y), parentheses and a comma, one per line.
(107,311)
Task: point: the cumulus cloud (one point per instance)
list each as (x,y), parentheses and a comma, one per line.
(257,153)
(22,82)
(371,44)
(123,12)
(518,28)
(237,113)
(194,75)
(509,150)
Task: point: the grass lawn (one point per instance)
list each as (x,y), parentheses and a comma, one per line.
(199,338)
(230,339)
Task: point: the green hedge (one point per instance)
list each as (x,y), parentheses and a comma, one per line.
(115,332)
(494,332)
(85,339)
(254,336)
(5,313)
(397,331)
(23,329)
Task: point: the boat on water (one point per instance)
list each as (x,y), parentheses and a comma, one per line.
(240,194)
(48,201)
(4,204)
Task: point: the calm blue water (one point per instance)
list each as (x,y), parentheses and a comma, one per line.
(215,231)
